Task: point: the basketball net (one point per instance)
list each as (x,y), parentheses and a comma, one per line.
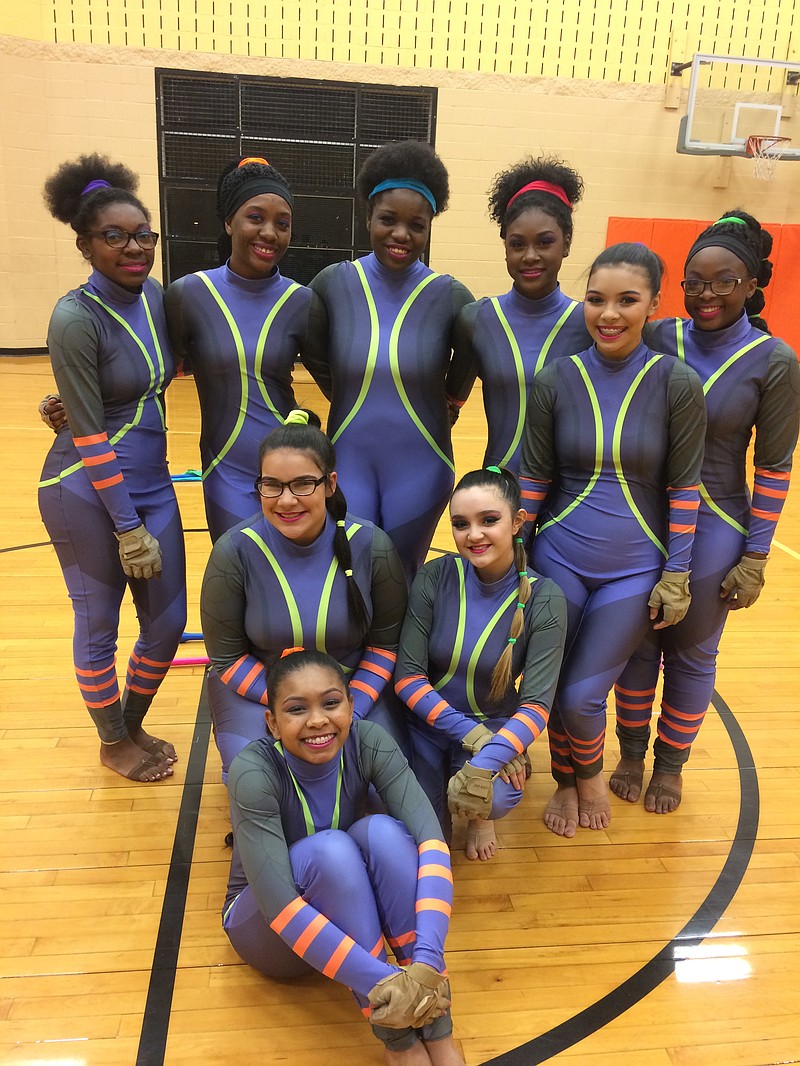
(765,153)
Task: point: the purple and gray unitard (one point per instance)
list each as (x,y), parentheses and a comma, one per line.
(386,352)
(614,448)
(316,885)
(750,380)
(506,340)
(262,593)
(106,472)
(240,337)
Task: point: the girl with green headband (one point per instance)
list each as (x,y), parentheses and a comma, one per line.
(476,621)
(380,343)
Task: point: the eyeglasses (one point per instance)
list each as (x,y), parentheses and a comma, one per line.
(720,287)
(121,238)
(301,486)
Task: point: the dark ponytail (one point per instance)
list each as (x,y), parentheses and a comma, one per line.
(309,438)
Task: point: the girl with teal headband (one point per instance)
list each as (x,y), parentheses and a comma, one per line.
(507,339)
(380,343)
(476,621)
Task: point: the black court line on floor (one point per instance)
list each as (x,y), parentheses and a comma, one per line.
(22,547)
(155,1025)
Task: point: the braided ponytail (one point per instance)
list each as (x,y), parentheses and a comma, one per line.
(505,485)
(337,509)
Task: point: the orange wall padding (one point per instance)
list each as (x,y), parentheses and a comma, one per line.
(672,238)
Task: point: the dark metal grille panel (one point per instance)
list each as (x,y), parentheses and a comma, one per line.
(317,134)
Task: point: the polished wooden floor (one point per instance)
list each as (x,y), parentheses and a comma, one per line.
(664,941)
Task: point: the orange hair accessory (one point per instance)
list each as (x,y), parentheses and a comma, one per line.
(252,159)
(290,651)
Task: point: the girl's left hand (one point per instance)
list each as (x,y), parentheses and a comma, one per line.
(514,773)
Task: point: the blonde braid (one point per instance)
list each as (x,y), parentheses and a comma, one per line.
(502,676)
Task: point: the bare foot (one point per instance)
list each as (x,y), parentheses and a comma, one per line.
(415,1056)
(131,761)
(663,794)
(594,810)
(561,813)
(626,781)
(480,842)
(154,745)
(444,1052)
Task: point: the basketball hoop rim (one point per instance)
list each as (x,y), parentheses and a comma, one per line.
(763,145)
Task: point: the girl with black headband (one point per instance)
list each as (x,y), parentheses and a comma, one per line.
(751,382)
(105,496)
(240,328)
(507,339)
(384,339)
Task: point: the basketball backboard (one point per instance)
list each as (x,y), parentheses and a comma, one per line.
(734,97)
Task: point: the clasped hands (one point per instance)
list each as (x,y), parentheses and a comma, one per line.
(411,997)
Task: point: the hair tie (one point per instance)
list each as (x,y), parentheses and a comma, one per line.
(541,186)
(341,523)
(252,159)
(297,417)
(98,183)
(494,469)
(521,605)
(522,573)
(405,183)
(519,540)
(512,640)
(730,218)
(348,573)
(290,651)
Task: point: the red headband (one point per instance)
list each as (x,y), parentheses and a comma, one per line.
(542,186)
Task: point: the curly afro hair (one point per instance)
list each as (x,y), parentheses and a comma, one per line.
(415,160)
(756,243)
(62,190)
(545,168)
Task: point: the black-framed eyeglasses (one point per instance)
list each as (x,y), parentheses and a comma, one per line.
(271,488)
(720,287)
(147,239)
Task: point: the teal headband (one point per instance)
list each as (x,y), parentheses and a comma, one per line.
(405,183)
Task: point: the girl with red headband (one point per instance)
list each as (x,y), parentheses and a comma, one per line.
(507,339)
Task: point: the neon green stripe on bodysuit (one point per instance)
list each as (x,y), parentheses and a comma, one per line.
(325,598)
(458,643)
(239,343)
(372,354)
(705,495)
(519,369)
(261,345)
(598,445)
(552,336)
(394,363)
(140,404)
(291,602)
(616,455)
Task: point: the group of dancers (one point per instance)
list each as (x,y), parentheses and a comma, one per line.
(609,531)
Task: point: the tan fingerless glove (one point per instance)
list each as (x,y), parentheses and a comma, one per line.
(672,595)
(469,792)
(412,997)
(139,553)
(743,584)
(477,738)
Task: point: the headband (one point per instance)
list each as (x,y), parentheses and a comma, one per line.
(405,183)
(748,255)
(730,218)
(93,186)
(290,651)
(257,185)
(541,186)
(297,417)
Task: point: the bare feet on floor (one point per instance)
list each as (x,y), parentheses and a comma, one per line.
(626,781)
(154,745)
(444,1052)
(131,761)
(561,813)
(480,842)
(663,794)
(594,809)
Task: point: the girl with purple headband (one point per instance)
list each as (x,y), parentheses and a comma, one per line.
(381,341)
(507,339)
(105,496)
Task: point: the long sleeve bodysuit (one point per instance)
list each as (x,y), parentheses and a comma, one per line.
(106,472)
(263,593)
(456,629)
(383,339)
(615,447)
(750,381)
(240,336)
(315,884)
(505,341)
